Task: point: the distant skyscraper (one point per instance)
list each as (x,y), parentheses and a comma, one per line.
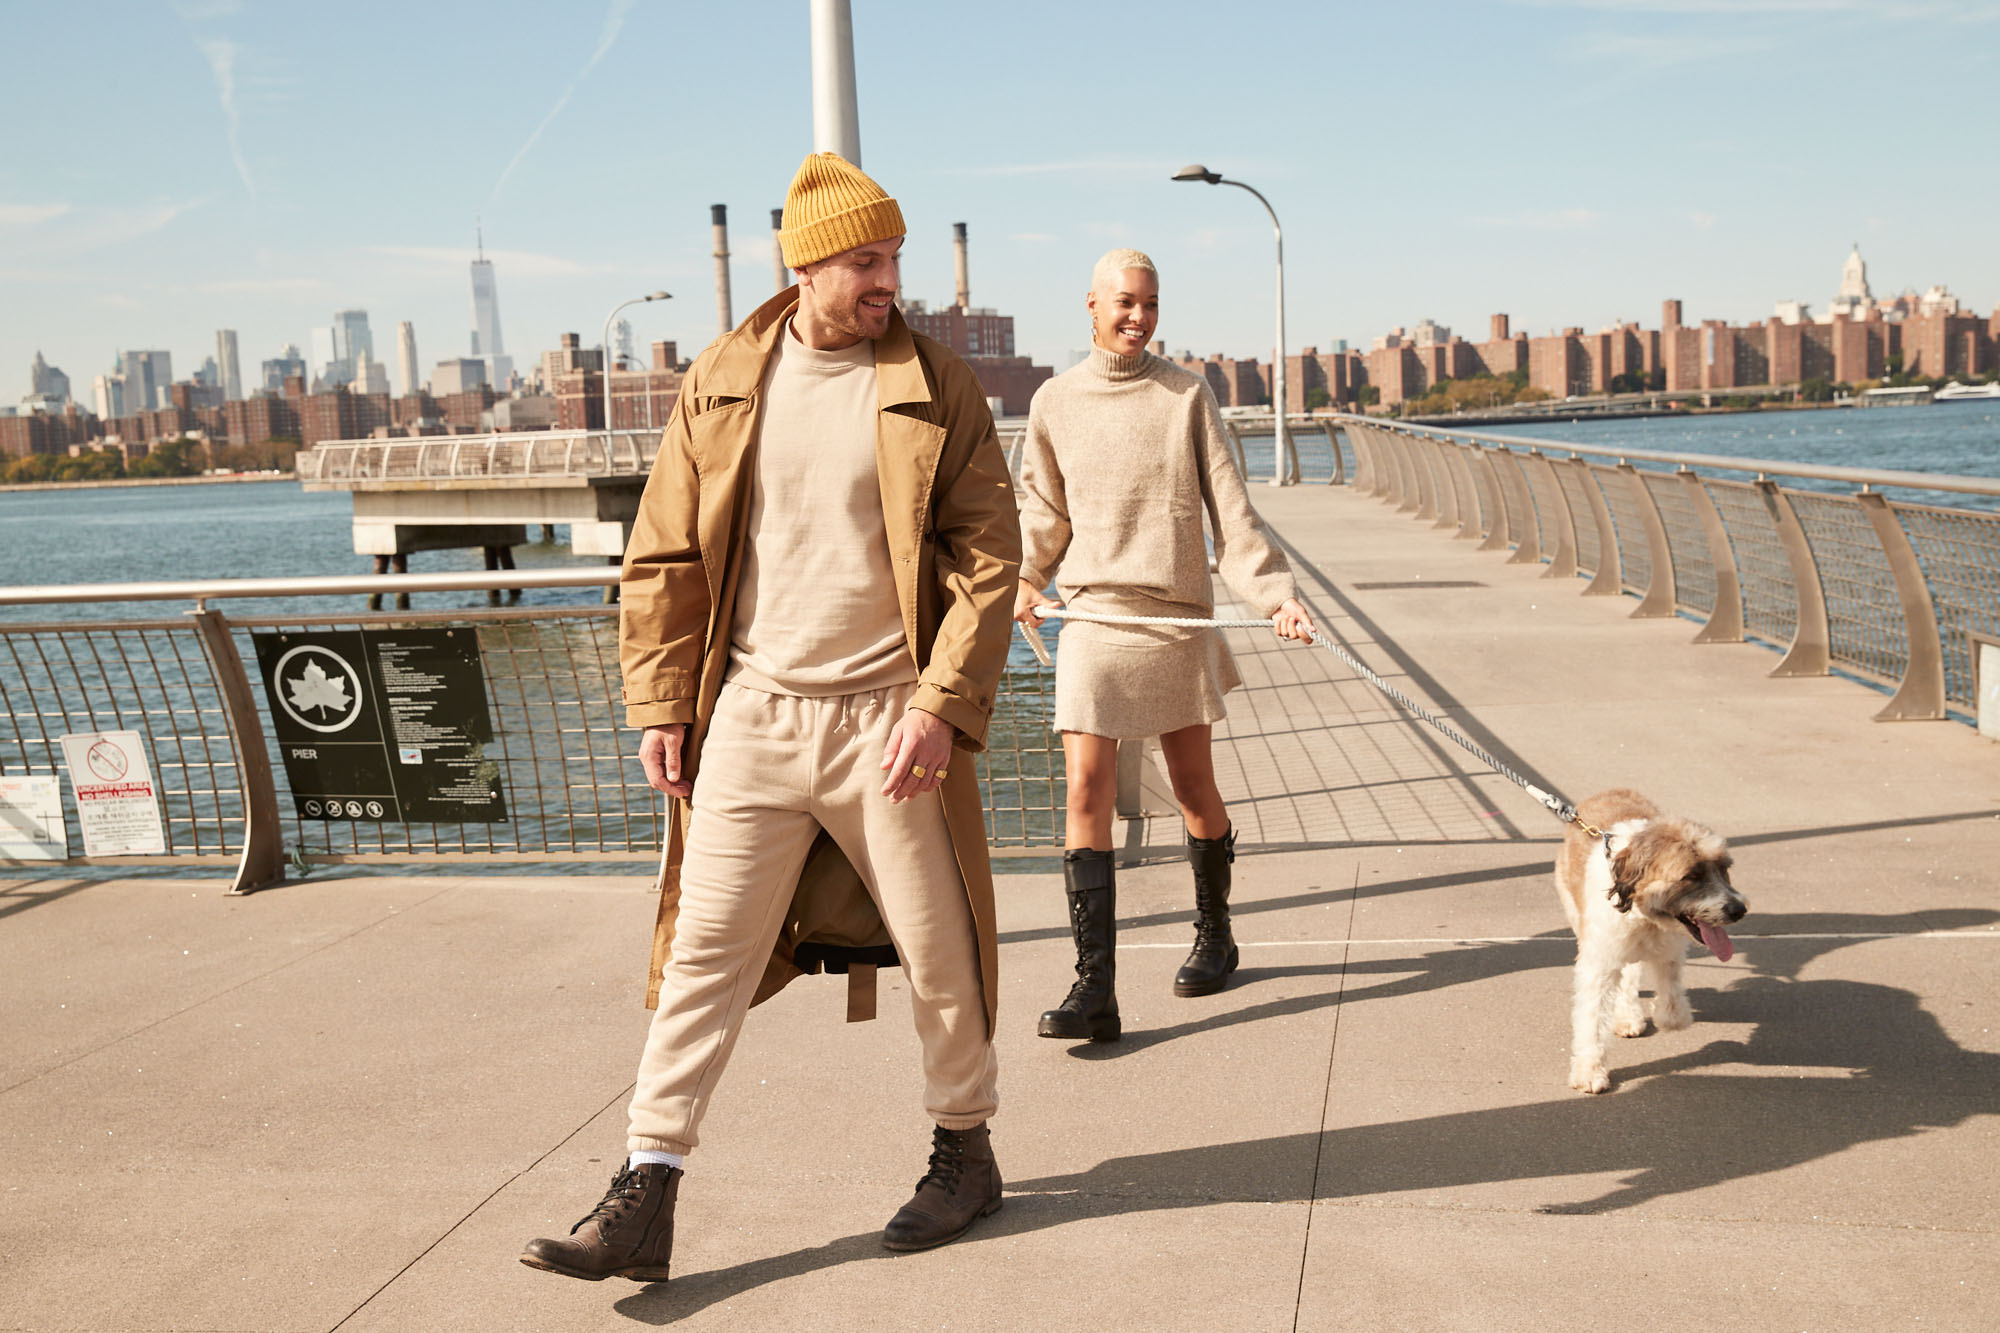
(1854,298)
(46,380)
(287,362)
(357,344)
(149,376)
(208,374)
(486,341)
(406,355)
(109,391)
(232,370)
(330,365)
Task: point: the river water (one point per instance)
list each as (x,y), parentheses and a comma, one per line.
(275,529)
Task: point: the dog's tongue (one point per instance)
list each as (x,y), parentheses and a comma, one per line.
(1717,940)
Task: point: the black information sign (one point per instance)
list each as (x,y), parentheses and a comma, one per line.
(383,726)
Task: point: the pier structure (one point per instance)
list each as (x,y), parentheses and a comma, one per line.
(443,492)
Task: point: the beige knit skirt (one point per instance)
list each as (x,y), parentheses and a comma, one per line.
(1127,681)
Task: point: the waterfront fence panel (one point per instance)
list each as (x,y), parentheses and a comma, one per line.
(567,764)
(1889,591)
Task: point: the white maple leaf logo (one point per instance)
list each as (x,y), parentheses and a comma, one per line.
(315,689)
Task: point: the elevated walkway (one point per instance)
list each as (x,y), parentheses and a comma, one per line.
(345,1103)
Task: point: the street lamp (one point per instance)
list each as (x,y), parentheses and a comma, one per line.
(637,300)
(1286,471)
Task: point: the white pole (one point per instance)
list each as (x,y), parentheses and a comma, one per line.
(1285,471)
(836,116)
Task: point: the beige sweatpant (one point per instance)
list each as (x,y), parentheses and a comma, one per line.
(775,769)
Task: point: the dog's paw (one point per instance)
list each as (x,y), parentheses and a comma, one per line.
(1629,1025)
(1590,1078)
(1674,1014)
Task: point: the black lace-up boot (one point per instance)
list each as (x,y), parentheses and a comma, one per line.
(629,1234)
(1091,1011)
(1207,969)
(961,1186)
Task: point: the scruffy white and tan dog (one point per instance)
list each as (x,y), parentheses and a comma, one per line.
(1634,894)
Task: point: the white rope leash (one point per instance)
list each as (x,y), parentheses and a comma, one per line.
(1556,805)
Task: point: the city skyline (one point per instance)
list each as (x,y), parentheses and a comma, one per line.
(1401,199)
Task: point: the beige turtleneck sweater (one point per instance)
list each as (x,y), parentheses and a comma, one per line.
(816,613)
(1123,455)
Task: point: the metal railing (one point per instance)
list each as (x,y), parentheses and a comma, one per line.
(512,454)
(567,765)
(1890,591)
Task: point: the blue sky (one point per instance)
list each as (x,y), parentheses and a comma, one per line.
(174,168)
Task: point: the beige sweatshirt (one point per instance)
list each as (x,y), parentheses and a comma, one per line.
(816,614)
(1123,455)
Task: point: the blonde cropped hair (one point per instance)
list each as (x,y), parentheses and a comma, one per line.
(1115,262)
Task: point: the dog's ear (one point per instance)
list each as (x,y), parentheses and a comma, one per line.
(1626,869)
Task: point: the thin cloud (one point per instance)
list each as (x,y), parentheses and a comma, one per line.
(27,215)
(100,230)
(1702,221)
(515,263)
(1567,219)
(266,286)
(1661,50)
(221,55)
(613,22)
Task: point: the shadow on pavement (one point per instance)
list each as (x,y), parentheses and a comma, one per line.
(1835,1064)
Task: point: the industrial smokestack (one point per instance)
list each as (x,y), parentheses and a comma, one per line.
(719,215)
(783,274)
(958,255)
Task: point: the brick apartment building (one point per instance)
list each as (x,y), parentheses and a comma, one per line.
(984,338)
(640,399)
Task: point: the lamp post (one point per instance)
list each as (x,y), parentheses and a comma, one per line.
(637,300)
(1286,471)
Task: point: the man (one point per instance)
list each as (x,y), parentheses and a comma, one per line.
(816,604)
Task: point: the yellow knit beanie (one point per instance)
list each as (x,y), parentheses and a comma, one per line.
(833,206)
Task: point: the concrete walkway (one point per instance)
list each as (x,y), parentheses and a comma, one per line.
(346,1103)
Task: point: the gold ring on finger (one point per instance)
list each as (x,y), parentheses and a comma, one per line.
(918,770)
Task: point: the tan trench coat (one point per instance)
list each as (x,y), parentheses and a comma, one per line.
(954,540)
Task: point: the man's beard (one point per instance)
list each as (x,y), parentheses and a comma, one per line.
(858,322)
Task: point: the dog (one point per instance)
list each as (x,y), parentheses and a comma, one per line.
(1634,894)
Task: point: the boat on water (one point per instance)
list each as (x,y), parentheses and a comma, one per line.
(1955,392)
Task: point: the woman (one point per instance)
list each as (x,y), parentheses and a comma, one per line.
(1125,452)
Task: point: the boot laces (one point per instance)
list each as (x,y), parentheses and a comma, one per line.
(1211,933)
(947,1162)
(618,1202)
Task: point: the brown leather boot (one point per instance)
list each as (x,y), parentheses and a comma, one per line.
(962,1186)
(629,1234)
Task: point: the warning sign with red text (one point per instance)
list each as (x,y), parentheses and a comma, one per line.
(117,804)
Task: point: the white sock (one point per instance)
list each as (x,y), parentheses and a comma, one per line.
(648,1157)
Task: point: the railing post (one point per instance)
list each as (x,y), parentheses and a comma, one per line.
(1562,565)
(1608,580)
(1725,618)
(263,861)
(1811,652)
(1402,492)
(1499,532)
(1661,592)
(1472,516)
(1920,696)
(1450,503)
(1339,476)
(1420,450)
(1528,542)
